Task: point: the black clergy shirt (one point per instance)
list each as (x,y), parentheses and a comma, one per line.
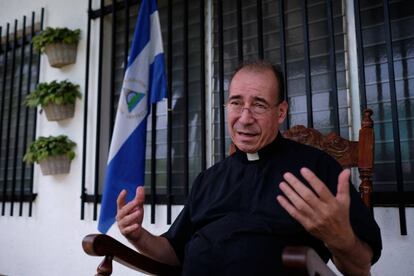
(233,224)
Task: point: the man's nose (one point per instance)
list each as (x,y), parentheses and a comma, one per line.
(246,116)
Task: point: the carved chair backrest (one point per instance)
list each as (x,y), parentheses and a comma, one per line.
(348,153)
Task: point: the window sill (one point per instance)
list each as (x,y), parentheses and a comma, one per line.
(392,199)
(159,199)
(17,198)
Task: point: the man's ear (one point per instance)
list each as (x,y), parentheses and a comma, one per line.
(282,111)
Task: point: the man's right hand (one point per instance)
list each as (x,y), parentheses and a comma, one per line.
(129,219)
(129,215)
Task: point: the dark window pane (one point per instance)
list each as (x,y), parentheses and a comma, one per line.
(378,89)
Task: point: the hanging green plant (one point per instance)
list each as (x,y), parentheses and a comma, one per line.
(53,153)
(56,98)
(44,147)
(55,35)
(59,44)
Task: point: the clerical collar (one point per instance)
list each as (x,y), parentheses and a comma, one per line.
(264,152)
(252,156)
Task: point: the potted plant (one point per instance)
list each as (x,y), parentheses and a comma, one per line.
(53,154)
(56,98)
(59,44)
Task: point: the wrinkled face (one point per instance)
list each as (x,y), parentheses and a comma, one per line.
(257,124)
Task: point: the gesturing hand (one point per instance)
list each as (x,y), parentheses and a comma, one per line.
(322,214)
(129,215)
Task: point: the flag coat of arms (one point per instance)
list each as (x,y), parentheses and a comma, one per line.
(144,83)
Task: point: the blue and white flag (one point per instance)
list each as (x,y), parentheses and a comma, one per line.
(144,84)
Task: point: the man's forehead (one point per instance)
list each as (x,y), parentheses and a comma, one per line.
(253,71)
(246,85)
(247,73)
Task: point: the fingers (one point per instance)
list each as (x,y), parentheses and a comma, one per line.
(320,213)
(120,201)
(134,217)
(343,186)
(140,195)
(298,216)
(129,229)
(318,186)
(126,208)
(305,192)
(298,200)
(128,219)
(306,203)
(130,215)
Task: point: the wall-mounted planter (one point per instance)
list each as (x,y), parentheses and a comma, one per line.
(57,112)
(61,54)
(54,154)
(55,165)
(56,98)
(59,44)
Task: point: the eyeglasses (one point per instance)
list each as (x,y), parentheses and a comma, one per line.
(257,108)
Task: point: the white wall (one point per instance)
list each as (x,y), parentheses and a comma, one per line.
(49,242)
(396,258)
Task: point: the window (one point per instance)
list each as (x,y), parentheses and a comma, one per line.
(205,40)
(260,35)
(379,92)
(19,72)
(172,164)
(386,58)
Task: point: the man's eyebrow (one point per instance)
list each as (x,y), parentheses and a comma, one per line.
(234,97)
(260,99)
(255,99)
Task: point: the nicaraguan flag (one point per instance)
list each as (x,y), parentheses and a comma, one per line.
(144,84)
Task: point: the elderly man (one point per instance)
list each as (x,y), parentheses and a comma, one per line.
(270,193)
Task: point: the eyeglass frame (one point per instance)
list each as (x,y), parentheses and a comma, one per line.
(267,107)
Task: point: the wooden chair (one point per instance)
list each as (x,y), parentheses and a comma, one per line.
(111,249)
(297,260)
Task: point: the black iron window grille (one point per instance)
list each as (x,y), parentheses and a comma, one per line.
(307,39)
(19,74)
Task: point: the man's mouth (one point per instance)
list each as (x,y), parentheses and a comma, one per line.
(246,134)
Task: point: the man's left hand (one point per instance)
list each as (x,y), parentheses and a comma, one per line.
(321,213)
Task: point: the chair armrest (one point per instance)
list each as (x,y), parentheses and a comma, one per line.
(302,260)
(104,245)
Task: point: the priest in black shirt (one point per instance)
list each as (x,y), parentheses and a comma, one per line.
(272,192)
